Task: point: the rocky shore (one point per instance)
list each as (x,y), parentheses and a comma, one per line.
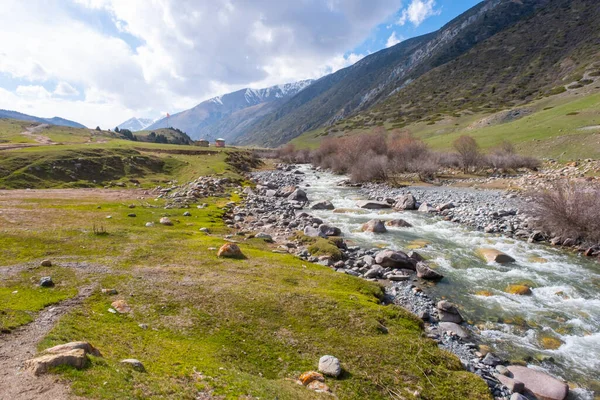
(277,209)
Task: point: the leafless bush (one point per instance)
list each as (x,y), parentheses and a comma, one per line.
(370,167)
(569,210)
(405,152)
(289,154)
(505,157)
(425,166)
(468,151)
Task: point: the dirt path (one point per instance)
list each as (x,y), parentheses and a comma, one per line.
(20,345)
(32,132)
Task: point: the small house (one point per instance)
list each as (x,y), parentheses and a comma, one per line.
(202,143)
(220,142)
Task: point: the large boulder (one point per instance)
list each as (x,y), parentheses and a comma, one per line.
(286,191)
(75,358)
(405,202)
(330,366)
(539,384)
(425,272)
(373,205)
(374,226)
(298,195)
(398,223)
(493,255)
(374,272)
(395,259)
(230,250)
(448,312)
(521,290)
(322,205)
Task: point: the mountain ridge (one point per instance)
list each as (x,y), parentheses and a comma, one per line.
(52,121)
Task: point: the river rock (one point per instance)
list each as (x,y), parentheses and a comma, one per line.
(46,263)
(40,365)
(313,232)
(374,272)
(491,360)
(446,206)
(373,205)
(454,328)
(448,312)
(398,223)
(298,195)
(512,384)
(230,250)
(427,208)
(322,205)
(521,290)
(540,384)
(425,272)
(405,202)
(395,259)
(286,191)
(493,255)
(328,230)
(375,226)
(330,366)
(518,396)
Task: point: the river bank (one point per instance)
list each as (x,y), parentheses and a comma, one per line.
(276,210)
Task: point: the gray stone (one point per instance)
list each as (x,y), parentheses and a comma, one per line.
(330,366)
(454,328)
(187,214)
(374,226)
(374,272)
(46,281)
(448,312)
(265,236)
(427,208)
(425,272)
(322,205)
(373,205)
(395,259)
(298,195)
(46,263)
(518,396)
(405,202)
(540,384)
(398,223)
(313,232)
(328,230)
(133,363)
(491,360)
(165,221)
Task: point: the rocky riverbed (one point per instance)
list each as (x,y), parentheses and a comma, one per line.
(278,208)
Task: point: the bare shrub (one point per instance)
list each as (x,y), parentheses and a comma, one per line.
(404,152)
(370,167)
(468,151)
(505,157)
(425,166)
(569,210)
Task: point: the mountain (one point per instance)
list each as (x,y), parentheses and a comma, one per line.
(497,53)
(52,121)
(136,124)
(221,117)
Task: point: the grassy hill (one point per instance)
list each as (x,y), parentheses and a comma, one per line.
(565,127)
(171,135)
(54,156)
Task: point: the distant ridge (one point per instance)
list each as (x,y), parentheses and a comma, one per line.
(226,115)
(52,121)
(136,124)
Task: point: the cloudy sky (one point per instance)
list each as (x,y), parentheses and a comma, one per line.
(100,62)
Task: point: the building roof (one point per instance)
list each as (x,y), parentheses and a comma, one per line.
(220,140)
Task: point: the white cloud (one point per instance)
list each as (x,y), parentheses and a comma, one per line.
(418,11)
(33,92)
(184,50)
(64,89)
(394,40)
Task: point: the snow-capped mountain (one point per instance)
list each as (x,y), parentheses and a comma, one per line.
(210,119)
(136,124)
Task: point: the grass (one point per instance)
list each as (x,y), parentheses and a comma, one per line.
(21,296)
(233,328)
(559,126)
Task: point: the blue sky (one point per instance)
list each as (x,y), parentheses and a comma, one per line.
(100,62)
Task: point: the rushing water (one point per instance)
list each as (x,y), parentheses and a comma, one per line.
(564,307)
